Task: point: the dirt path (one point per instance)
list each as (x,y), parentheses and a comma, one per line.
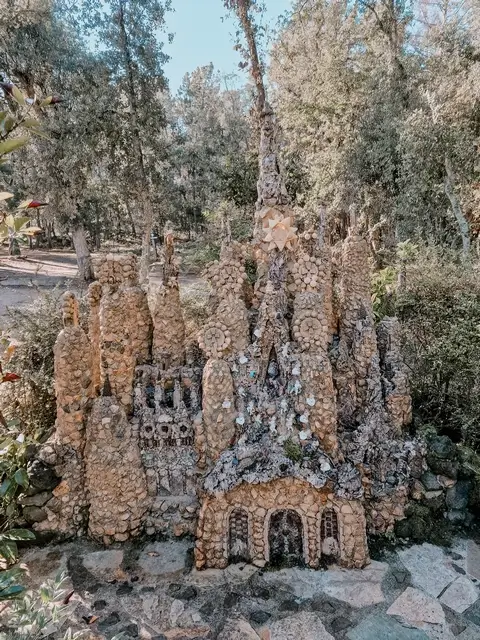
(22,279)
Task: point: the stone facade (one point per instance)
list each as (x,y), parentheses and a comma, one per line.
(278,439)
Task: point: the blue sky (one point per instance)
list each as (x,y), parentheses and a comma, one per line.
(201,37)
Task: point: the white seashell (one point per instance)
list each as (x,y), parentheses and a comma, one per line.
(243,360)
(304,435)
(311,401)
(325,466)
(296,370)
(304,419)
(284,404)
(240,420)
(297,387)
(273,425)
(257,333)
(226,404)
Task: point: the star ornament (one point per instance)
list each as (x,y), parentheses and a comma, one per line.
(280,234)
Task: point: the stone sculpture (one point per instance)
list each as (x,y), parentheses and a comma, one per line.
(282,443)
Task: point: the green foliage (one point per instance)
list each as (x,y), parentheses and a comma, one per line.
(439,307)
(38,613)
(34,329)
(293,450)
(383,290)
(9,587)
(8,543)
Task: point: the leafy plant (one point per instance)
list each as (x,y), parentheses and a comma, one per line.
(383,290)
(9,587)
(40,613)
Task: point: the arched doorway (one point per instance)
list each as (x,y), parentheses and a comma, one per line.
(285,539)
(238,536)
(329,537)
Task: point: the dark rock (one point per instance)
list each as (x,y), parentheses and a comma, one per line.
(261,592)
(456,516)
(259,617)
(124,589)
(208,608)
(38,500)
(472,614)
(231,600)
(174,588)
(340,624)
(41,477)
(99,605)
(458,569)
(457,496)
(289,605)
(34,514)
(131,630)
(109,621)
(189,593)
(147,589)
(454,555)
(443,447)
(160,637)
(400,575)
(321,605)
(430,481)
(434,501)
(448,468)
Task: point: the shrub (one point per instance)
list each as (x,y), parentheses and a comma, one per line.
(439,306)
(32,399)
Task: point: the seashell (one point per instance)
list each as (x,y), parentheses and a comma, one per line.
(303,419)
(226,404)
(243,360)
(311,401)
(240,420)
(296,370)
(304,435)
(257,333)
(325,465)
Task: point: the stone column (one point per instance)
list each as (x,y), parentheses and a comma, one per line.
(115,478)
(67,511)
(218,407)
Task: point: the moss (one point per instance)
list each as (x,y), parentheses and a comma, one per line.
(293,450)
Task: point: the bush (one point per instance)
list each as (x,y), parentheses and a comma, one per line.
(32,399)
(439,307)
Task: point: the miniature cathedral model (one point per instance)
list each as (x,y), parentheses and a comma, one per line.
(278,438)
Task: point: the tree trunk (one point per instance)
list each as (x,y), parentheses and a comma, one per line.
(462,222)
(146,239)
(84,261)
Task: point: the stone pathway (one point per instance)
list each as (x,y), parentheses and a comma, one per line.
(150,591)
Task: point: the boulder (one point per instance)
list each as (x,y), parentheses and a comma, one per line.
(457,496)
(41,477)
(34,514)
(430,481)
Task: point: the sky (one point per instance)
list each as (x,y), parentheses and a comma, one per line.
(200,37)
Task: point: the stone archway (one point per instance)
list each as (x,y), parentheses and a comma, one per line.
(238,536)
(285,538)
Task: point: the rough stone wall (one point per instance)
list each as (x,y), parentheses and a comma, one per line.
(93,297)
(124,324)
(66,511)
(261,501)
(398,401)
(218,407)
(382,513)
(115,479)
(168,348)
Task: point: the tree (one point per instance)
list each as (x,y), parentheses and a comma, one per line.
(212,153)
(134,57)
